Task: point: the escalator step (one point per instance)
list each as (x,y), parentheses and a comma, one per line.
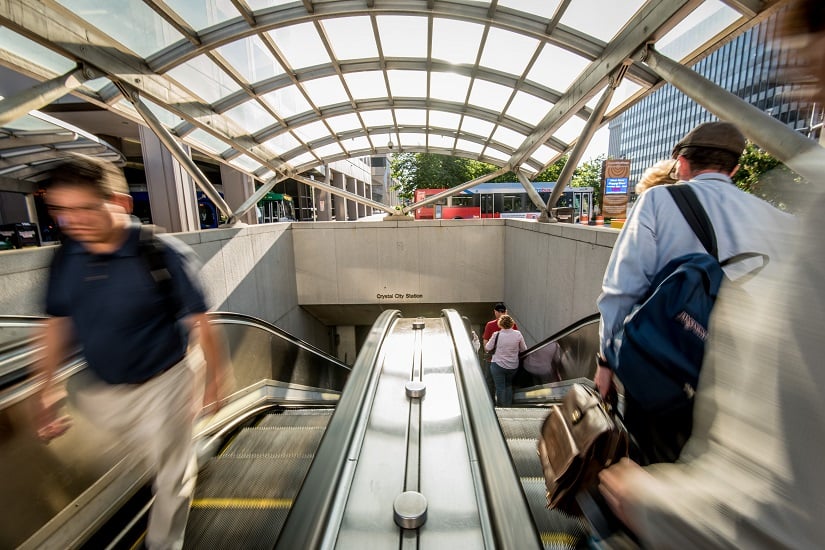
(307,412)
(230,529)
(251,478)
(559,531)
(525,457)
(523,412)
(275,442)
(521,428)
(243,502)
(294,420)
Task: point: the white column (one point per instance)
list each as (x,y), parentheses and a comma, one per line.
(172,197)
(345,348)
(352,206)
(340,202)
(237,187)
(323,204)
(362,208)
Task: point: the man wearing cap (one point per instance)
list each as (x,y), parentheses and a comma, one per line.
(656,232)
(489,329)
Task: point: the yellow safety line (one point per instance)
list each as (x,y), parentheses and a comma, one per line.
(561,539)
(242,503)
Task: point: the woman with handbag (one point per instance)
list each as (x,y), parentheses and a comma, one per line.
(504,347)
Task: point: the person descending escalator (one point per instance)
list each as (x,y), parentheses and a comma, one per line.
(504,347)
(489,329)
(750,476)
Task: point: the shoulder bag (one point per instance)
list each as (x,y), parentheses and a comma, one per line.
(580,437)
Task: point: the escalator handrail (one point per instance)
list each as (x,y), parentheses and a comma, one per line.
(312,513)
(16,382)
(242,318)
(584,321)
(512,522)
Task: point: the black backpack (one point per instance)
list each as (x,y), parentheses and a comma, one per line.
(659,351)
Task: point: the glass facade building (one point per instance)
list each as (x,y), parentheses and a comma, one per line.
(747,66)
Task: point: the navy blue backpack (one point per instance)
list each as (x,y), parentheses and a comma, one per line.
(658,353)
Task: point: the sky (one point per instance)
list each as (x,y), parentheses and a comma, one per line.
(598,145)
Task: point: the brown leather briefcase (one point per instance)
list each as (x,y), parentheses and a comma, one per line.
(579,438)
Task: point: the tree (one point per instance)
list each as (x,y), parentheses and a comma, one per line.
(551,173)
(432,171)
(766,177)
(589,174)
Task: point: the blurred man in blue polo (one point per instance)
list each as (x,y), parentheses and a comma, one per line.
(144,346)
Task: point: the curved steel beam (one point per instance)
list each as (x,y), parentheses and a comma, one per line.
(264,87)
(788,145)
(269,19)
(633,36)
(42,94)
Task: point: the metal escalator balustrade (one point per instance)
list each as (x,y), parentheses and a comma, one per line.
(318,508)
(521,426)
(423,440)
(506,503)
(549,367)
(244,495)
(68,489)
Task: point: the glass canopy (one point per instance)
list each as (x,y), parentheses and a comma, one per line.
(275,88)
(30,146)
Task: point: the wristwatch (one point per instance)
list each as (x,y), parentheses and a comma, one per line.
(601,361)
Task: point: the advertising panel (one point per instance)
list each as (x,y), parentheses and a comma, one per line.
(615,188)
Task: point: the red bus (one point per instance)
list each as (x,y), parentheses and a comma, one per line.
(500,200)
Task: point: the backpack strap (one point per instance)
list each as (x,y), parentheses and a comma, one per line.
(695,216)
(747,256)
(153,252)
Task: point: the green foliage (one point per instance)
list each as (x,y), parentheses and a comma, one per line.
(551,173)
(589,174)
(431,171)
(766,177)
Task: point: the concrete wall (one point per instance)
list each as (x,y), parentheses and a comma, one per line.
(549,275)
(554,274)
(251,270)
(247,270)
(440,261)
(23,276)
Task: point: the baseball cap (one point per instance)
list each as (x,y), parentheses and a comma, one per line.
(714,135)
(500,307)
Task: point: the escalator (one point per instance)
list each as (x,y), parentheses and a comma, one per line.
(73,491)
(548,369)
(244,494)
(309,454)
(520,426)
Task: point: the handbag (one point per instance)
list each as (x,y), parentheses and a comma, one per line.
(579,438)
(493,351)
